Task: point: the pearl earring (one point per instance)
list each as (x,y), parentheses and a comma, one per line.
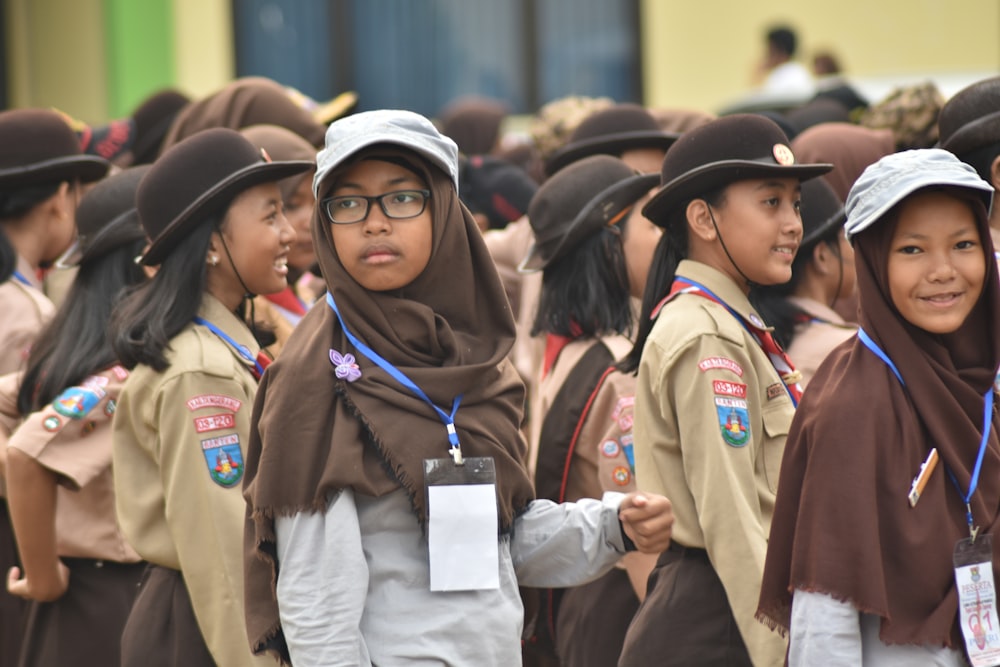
(213,260)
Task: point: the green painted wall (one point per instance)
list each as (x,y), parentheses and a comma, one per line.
(139,51)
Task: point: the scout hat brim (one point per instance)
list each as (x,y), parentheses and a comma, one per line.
(612,144)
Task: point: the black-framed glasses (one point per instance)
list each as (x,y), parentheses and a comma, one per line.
(397,205)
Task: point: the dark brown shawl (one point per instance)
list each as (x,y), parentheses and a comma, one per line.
(449,331)
(842,523)
(246,101)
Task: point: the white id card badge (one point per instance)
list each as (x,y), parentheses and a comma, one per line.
(977,600)
(463,529)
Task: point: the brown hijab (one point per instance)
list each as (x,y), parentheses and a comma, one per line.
(842,523)
(246,101)
(449,331)
(850,148)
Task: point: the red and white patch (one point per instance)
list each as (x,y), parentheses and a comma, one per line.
(119,372)
(95,382)
(610,448)
(724,388)
(222,440)
(214,422)
(621,475)
(214,401)
(623,404)
(625,422)
(783,155)
(720,362)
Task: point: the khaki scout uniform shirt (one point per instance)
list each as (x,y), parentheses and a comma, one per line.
(600,461)
(24,310)
(179,439)
(815,339)
(72,438)
(711,420)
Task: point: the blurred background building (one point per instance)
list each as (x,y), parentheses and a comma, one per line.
(97,59)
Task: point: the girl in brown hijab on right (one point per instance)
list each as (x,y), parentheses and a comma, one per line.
(883,547)
(390,515)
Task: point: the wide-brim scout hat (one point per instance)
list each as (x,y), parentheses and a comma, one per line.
(611,131)
(726,150)
(893,178)
(197,177)
(971,118)
(821,211)
(106,218)
(39,147)
(555,213)
(347,136)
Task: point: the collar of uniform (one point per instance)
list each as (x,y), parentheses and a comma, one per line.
(215,312)
(820,311)
(723,287)
(29,272)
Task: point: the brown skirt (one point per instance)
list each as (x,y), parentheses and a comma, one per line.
(12,608)
(162,631)
(685,619)
(84,626)
(593,619)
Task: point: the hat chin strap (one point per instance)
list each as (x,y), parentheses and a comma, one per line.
(247,294)
(751,284)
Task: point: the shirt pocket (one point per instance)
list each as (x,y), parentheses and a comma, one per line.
(777,418)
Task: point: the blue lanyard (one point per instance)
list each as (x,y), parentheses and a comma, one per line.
(241,350)
(987,425)
(19,277)
(447,419)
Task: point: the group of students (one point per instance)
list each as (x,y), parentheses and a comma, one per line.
(366,496)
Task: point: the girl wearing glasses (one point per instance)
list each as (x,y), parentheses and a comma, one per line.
(408,384)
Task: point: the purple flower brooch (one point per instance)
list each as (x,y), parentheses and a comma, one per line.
(345,366)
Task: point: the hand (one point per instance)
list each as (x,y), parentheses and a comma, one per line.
(48,592)
(647,519)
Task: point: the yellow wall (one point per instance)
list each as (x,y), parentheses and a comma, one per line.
(203,44)
(55,56)
(702,54)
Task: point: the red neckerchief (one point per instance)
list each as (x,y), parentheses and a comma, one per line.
(555,343)
(288,300)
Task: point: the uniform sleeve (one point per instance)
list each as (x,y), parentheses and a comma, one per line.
(9,416)
(204,421)
(57,435)
(612,415)
(716,427)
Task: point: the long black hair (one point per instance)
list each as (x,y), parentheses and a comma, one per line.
(15,204)
(8,257)
(772,302)
(154,312)
(671,249)
(586,292)
(75,343)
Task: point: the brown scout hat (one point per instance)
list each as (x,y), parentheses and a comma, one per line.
(560,222)
(731,148)
(40,147)
(106,218)
(197,177)
(971,118)
(611,131)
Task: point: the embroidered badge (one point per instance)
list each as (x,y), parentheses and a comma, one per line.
(621,475)
(119,372)
(345,366)
(109,407)
(720,362)
(610,448)
(724,388)
(214,422)
(51,423)
(625,422)
(214,401)
(629,453)
(224,459)
(76,402)
(734,420)
(95,382)
(774,391)
(624,403)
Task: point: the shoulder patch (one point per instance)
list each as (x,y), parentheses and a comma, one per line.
(621,475)
(119,372)
(734,420)
(224,459)
(214,422)
(627,441)
(214,401)
(76,402)
(723,363)
(52,423)
(610,448)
